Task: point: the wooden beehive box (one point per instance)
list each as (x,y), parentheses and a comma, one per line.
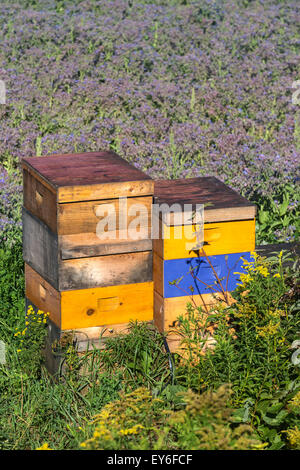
(85,281)
(185,269)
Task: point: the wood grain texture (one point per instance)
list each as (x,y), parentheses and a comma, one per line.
(107,305)
(84,308)
(158,274)
(102,271)
(167,310)
(90,176)
(40,200)
(104,191)
(81,217)
(85,245)
(87,339)
(40,247)
(219,238)
(179,280)
(224,203)
(42,294)
(43,248)
(84,260)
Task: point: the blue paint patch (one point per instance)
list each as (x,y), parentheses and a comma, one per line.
(187,276)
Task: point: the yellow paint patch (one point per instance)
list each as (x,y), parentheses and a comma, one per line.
(219,238)
(85,308)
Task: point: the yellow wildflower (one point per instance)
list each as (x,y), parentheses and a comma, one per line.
(269,330)
(262,270)
(133,430)
(293,436)
(45,446)
(295,401)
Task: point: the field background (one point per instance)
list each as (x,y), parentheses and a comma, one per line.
(179,88)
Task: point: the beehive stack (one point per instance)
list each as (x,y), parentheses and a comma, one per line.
(182,273)
(84,281)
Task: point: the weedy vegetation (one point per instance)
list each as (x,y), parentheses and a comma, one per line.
(179,88)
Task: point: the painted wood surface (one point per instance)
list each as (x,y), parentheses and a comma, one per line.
(83,339)
(186,276)
(84,308)
(83,261)
(45,249)
(222,203)
(219,238)
(89,176)
(108,305)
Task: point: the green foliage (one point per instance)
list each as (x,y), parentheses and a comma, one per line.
(31,340)
(140,355)
(278,218)
(274,415)
(251,349)
(12,282)
(138,421)
(246,344)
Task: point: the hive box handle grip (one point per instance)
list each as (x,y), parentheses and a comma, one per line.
(39,198)
(42,292)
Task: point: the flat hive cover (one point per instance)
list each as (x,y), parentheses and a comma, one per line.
(221,202)
(87,169)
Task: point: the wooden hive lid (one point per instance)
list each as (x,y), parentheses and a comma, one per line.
(88,176)
(221,203)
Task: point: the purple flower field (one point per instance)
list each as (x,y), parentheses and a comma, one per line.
(179,88)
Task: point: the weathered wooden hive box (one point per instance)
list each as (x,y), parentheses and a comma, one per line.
(188,266)
(86,281)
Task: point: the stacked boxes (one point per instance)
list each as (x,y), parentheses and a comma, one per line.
(186,267)
(85,266)
(81,264)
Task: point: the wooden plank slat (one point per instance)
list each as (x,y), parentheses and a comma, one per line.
(95,307)
(291,249)
(158,273)
(83,260)
(40,247)
(39,200)
(221,202)
(85,245)
(219,238)
(89,176)
(83,217)
(167,310)
(42,294)
(104,191)
(107,305)
(225,267)
(102,271)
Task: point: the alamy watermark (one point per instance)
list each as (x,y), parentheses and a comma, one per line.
(125,220)
(296,94)
(2,92)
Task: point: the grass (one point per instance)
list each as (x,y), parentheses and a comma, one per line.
(262,381)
